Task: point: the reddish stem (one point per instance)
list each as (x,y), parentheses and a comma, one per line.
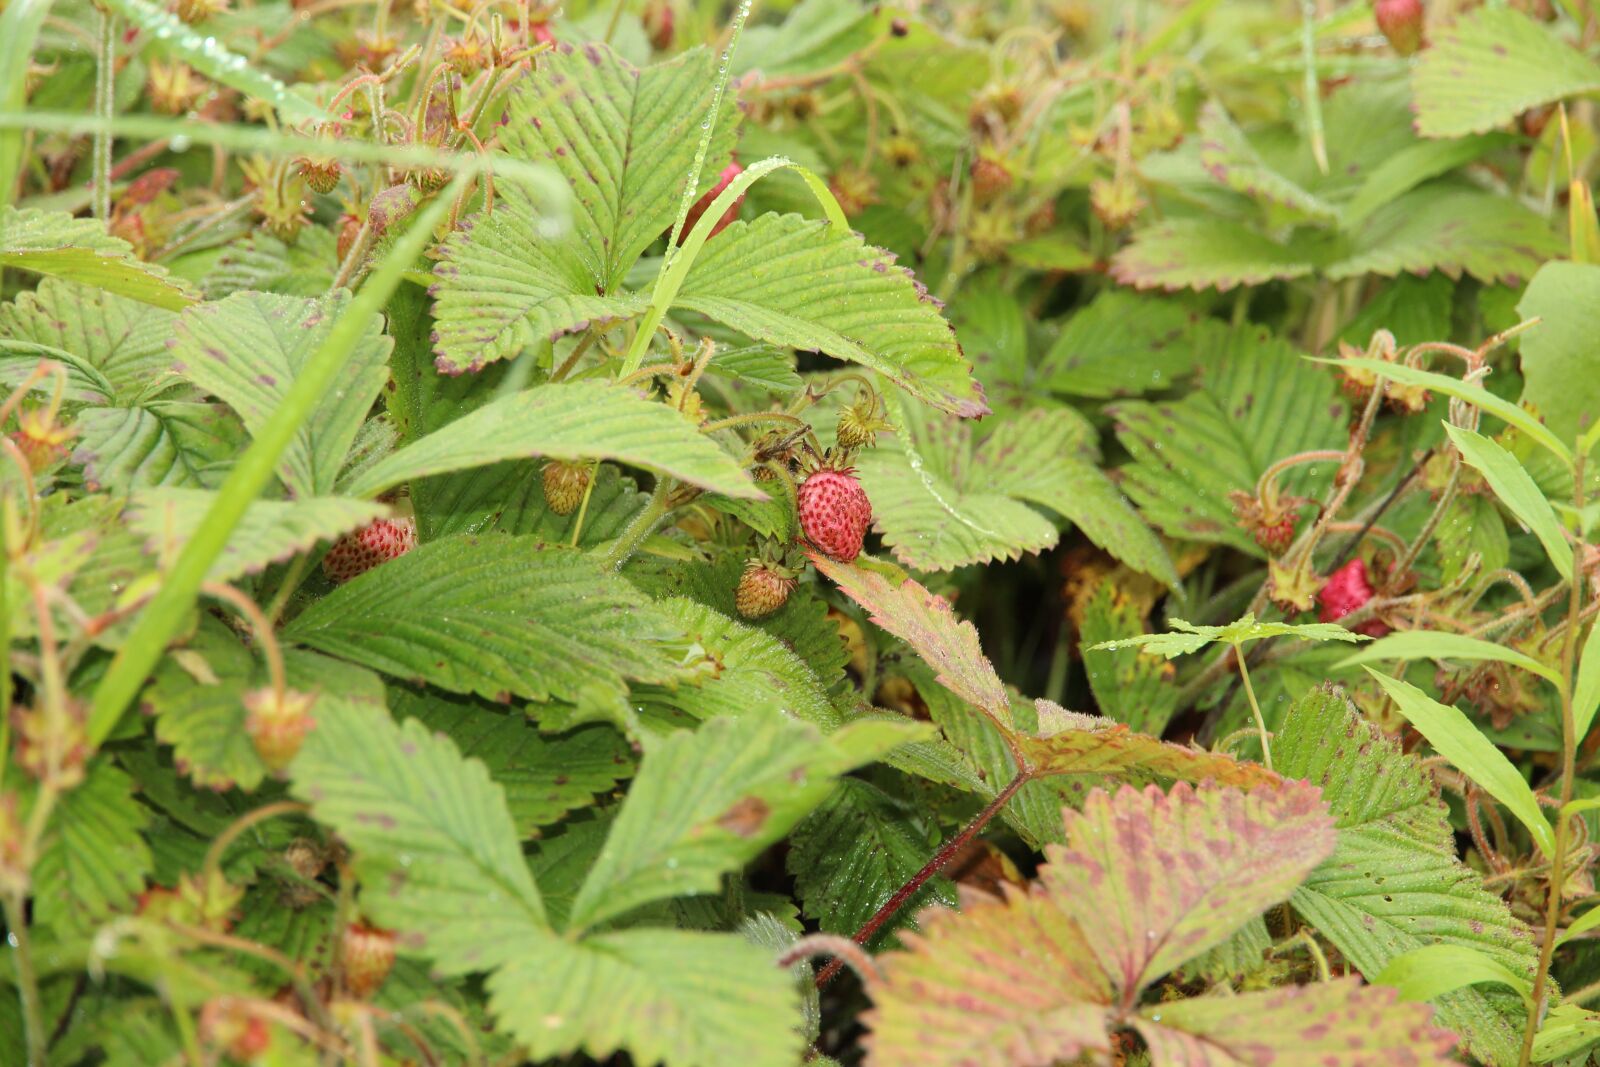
(945,854)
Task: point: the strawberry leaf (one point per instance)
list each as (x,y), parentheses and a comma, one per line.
(623,138)
(246,350)
(780,278)
(495,616)
(54,243)
(708,801)
(569,421)
(94,859)
(1394,882)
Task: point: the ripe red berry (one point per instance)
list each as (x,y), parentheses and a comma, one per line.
(763,589)
(730,172)
(1401,22)
(658,21)
(377,542)
(1346,590)
(834,513)
(366,953)
(564,485)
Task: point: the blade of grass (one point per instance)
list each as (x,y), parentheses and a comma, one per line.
(165,613)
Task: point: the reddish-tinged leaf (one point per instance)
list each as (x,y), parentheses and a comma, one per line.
(1087,744)
(1004,983)
(925,622)
(1336,1024)
(1156,879)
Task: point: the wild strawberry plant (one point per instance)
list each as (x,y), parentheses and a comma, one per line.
(499,506)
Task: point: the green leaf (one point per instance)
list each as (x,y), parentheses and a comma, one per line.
(260,261)
(850,855)
(1568,1030)
(120,342)
(570,421)
(80,250)
(678,997)
(1185,871)
(94,860)
(1434,644)
(1394,882)
(272,531)
(1586,691)
(544,775)
(1210,253)
(1234,161)
(1490,66)
(754,672)
(436,850)
(509,498)
(1431,971)
(494,616)
(623,139)
(1191,638)
(1455,738)
(1073,744)
(1474,394)
(1258,405)
(816,36)
(1517,491)
(708,801)
(780,278)
(1341,1023)
(204,721)
(1131,686)
(248,349)
(1125,344)
(1558,354)
(168,443)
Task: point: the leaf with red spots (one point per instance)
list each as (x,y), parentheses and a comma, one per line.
(1145,882)
(1333,1024)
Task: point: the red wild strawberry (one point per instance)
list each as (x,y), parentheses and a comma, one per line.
(543,34)
(564,485)
(1401,23)
(834,512)
(277,725)
(1345,591)
(763,589)
(701,206)
(366,953)
(378,542)
(658,19)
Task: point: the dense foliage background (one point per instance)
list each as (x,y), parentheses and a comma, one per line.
(439,442)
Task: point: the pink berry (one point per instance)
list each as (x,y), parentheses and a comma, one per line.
(730,172)
(1347,590)
(834,513)
(378,542)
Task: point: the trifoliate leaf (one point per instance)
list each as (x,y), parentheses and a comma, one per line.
(1394,882)
(503,281)
(80,250)
(495,616)
(705,802)
(568,421)
(1186,869)
(246,351)
(803,284)
(1125,344)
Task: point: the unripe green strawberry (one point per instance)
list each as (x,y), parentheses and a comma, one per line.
(377,542)
(277,725)
(320,173)
(763,589)
(564,485)
(834,512)
(366,954)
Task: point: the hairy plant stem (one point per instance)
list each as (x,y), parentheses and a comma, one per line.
(219,845)
(1569,751)
(1255,708)
(27,980)
(946,853)
(105,105)
(642,526)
